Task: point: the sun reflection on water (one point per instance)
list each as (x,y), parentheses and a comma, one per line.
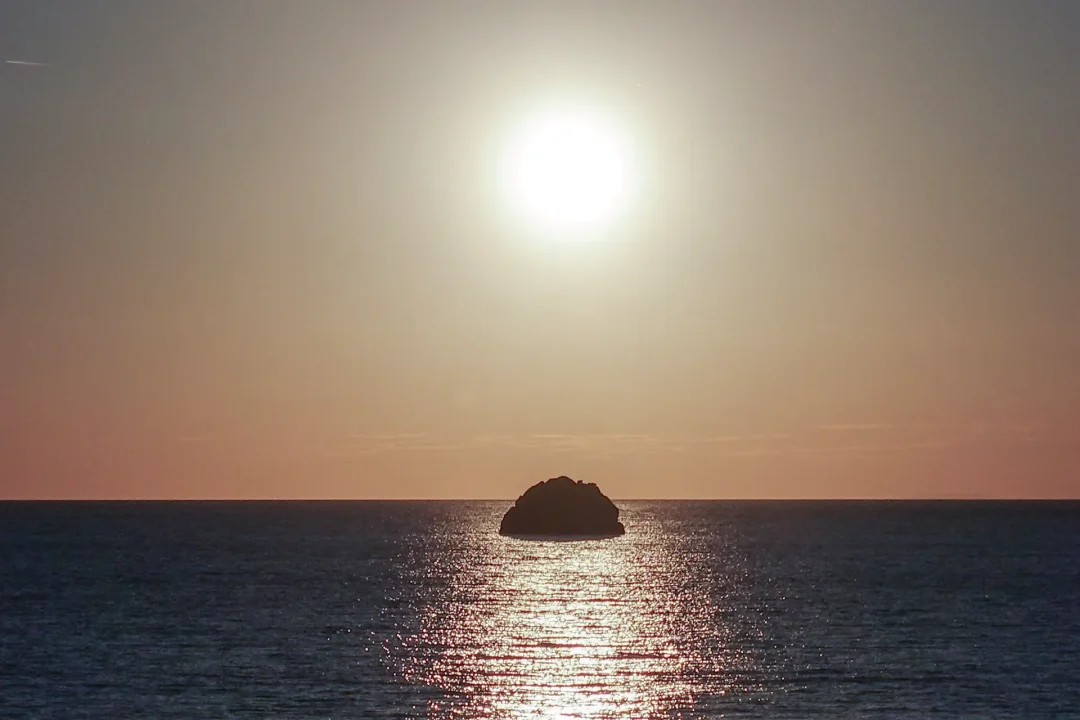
(595,629)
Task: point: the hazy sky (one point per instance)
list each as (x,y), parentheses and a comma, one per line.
(254,249)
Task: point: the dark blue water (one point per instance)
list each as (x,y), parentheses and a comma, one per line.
(704,609)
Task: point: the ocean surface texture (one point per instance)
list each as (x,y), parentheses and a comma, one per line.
(388,609)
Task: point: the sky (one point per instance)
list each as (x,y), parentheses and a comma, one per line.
(253,249)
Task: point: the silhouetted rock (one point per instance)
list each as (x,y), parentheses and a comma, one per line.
(562,507)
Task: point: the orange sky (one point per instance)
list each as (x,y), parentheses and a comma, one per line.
(250,249)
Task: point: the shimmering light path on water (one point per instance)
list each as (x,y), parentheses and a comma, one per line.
(356,610)
(573,629)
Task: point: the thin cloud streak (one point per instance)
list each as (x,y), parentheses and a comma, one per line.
(853,427)
(602,444)
(28,63)
(808,442)
(373,444)
(842,449)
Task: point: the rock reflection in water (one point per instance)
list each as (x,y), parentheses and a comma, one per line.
(608,628)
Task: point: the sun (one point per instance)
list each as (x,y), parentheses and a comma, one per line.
(569,171)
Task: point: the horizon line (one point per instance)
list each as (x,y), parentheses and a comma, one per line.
(969,498)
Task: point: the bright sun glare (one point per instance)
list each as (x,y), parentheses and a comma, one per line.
(569,172)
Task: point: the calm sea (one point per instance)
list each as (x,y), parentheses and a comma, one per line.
(388,609)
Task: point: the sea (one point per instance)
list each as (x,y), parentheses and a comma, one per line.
(421,610)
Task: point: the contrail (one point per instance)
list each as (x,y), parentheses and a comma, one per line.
(28,63)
